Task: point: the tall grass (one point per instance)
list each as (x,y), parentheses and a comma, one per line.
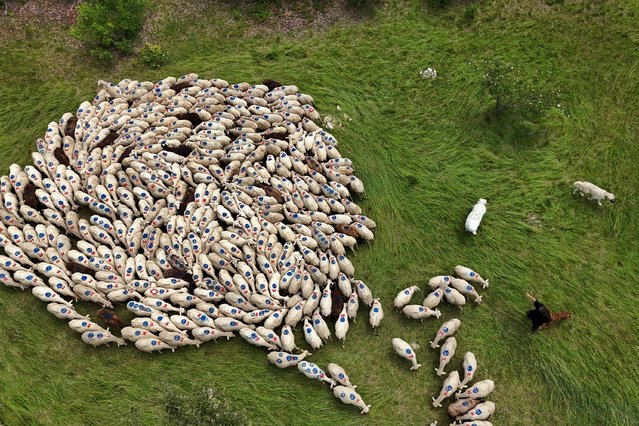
(426,154)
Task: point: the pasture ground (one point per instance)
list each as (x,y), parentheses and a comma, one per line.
(426,154)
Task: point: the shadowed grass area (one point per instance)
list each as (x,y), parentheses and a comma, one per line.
(426,154)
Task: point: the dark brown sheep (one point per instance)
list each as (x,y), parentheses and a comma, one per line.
(69,129)
(108,140)
(190,116)
(178,87)
(182,150)
(126,153)
(337,303)
(59,155)
(110,318)
(74,267)
(30,198)
(271,84)
(189,196)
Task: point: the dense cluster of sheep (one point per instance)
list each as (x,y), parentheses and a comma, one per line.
(208,208)
(446,287)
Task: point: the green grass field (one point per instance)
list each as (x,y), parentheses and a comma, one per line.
(426,154)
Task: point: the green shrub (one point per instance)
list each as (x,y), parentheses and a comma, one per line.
(153,56)
(201,408)
(470,12)
(110,24)
(525,99)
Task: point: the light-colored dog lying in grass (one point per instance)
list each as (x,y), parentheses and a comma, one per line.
(593,192)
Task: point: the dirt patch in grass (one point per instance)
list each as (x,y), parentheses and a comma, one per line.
(298,16)
(24,17)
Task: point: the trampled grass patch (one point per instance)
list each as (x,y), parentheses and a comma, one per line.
(426,154)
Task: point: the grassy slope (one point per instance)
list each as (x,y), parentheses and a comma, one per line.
(426,155)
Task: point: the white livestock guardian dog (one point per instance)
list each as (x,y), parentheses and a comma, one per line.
(593,192)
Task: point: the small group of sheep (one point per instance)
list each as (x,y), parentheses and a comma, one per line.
(445,287)
(337,378)
(469,406)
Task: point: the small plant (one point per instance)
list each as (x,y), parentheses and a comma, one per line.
(262,9)
(438,4)
(102,55)
(200,408)
(365,4)
(153,56)
(511,93)
(469,13)
(110,25)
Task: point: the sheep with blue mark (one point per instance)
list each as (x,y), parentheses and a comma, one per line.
(406,351)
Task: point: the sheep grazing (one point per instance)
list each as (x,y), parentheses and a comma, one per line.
(470,275)
(312,371)
(446,353)
(348,396)
(285,359)
(339,375)
(405,350)
(447,329)
(461,406)
(475,216)
(470,367)
(481,411)
(593,192)
(450,385)
(478,391)
(403,297)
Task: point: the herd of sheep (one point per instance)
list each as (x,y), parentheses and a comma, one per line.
(208,209)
